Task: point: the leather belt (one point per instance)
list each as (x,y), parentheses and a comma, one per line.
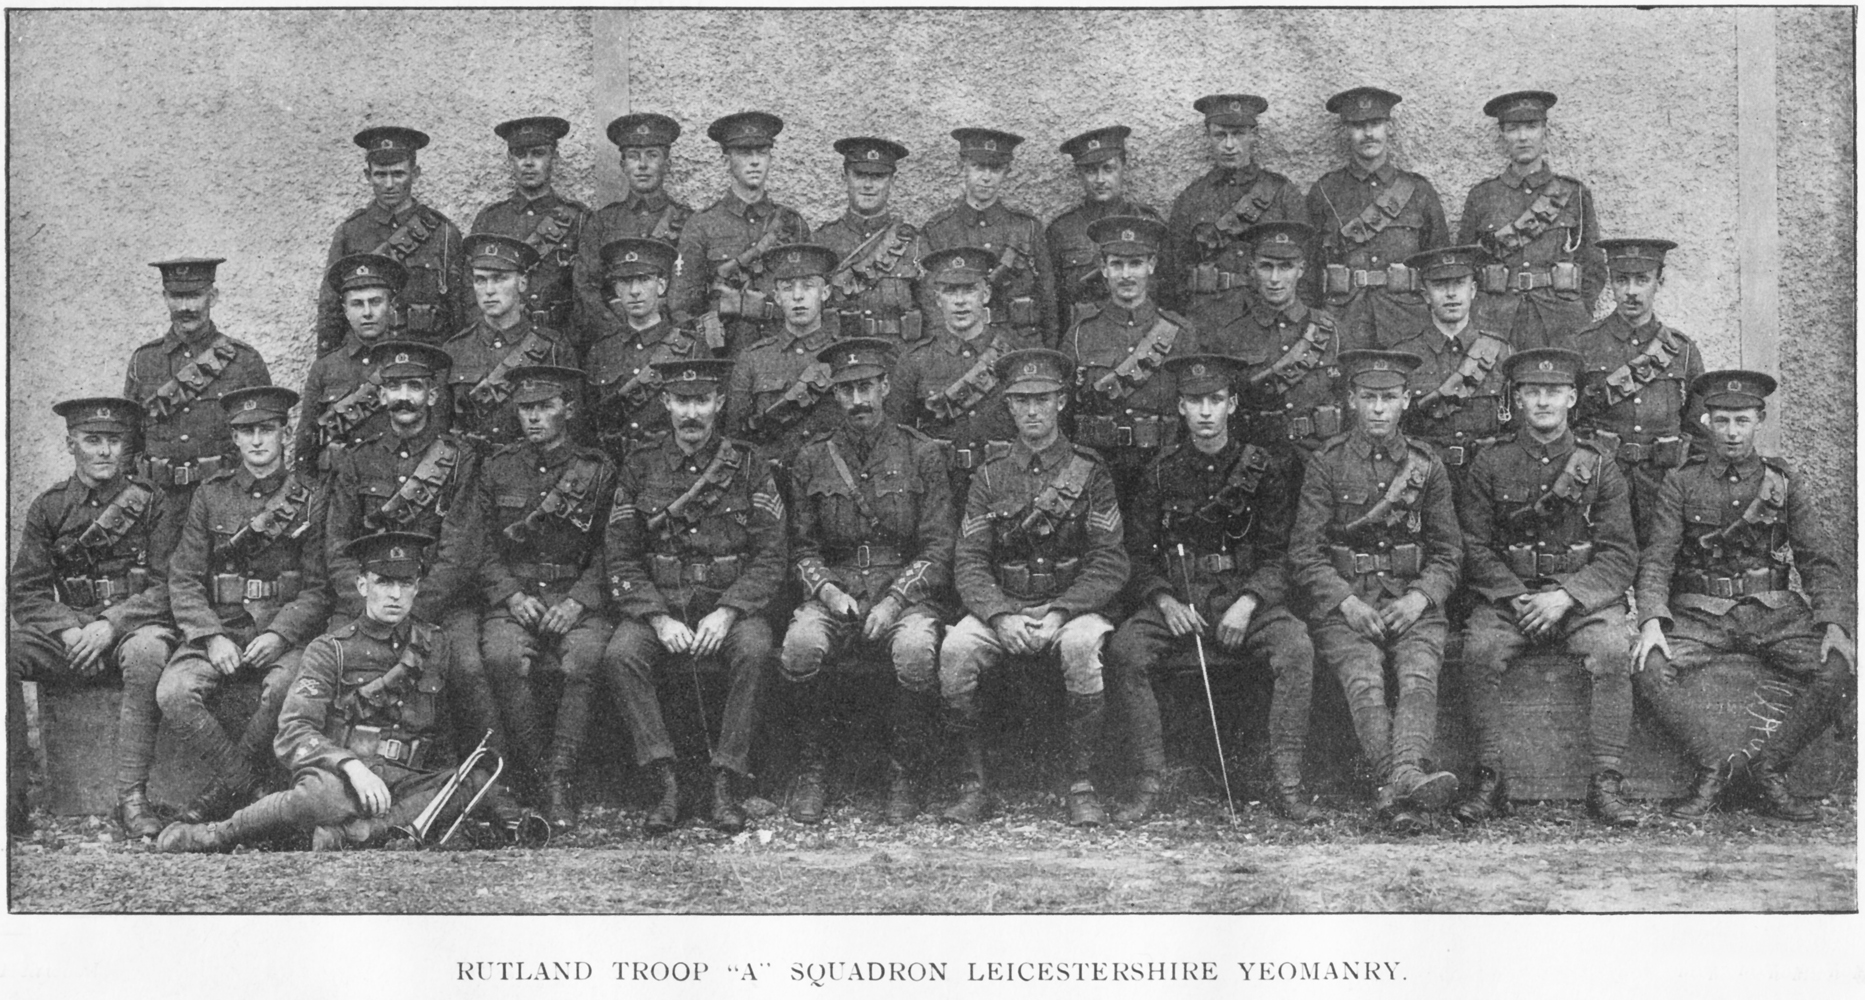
(967,457)
(395,745)
(85,591)
(232,588)
(1209,279)
(1529,564)
(546,572)
(1500,278)
(1665,452)
(1340,279)
(1137,432)
(186,472)
(1751,582)
(1404,561)
(718,572)
(1215,562)
(1298,425)
(1038,579)
(865,556)
(1461,454)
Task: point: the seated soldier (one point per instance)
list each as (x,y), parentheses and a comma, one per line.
(362,728)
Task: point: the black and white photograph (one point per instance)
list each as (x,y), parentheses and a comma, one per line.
(1082,486)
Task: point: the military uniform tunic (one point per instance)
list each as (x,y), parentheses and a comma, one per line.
(1077,259)
(724,548)
(1458,428)
(763,400)
(1374,308)
(887,305)
(332,379)
(644,216)
(624,389)
(1023,297)
(553,225)
(1129,430)
(439,294)
(719,248)
(485,414)
(1297,408)
(1651,414)
(1534,310)
(926,395)
(1193,240)
(1521,537)
(176,438)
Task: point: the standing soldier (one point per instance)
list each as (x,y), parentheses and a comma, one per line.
(723,245)
(178,380)
(1288,402)
(87,595)
(438,297)
(695,554)
(413,476)
(1713,580)
(1205,271)
(875,286)
(872,511)
(1548,547)
(342,392)
(1023,282)
(539,216)
(779,395)
(947,384)
(539,510)
(623,387)
(1539,227)
(1209,559)
(646,211)
(1459,399)
(1101,164)
(1039,555)
(1371,217)
(248,589)
(1123,411)
(1636,400)
(501,341)
(1375,551)
(361,726)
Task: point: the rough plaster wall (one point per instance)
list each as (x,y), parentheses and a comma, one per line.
(143,135)
(1818,122)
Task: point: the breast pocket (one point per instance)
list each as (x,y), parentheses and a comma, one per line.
(1700,514)
(424,282)
(1351,502)
(770,384)
(897,494)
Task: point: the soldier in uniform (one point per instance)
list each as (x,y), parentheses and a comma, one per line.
(872,542)
(1205,270)
(502,340)
(1459,399)
(1023,281)
(722,246)
(1713,580)
(695,554)
(1288,401)
(538,515)
(623,387)
(875,286)
(438,297)
(87,595)
(779,394)
(645,212)
(1122,410)
(536,214)
(247,587)
(1371,216)
(414,476)
(342,393)
(1548,547)
(1209,558)
(179,378)
(1039,555)
(1375,551)
(1100,159)
(363,725)
(1636,403)
(1540,229)
(946,385)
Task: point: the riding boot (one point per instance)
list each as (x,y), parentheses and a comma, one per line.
(1489,798)
(1606,804)
(666,813)
(1708,783)
(1085,715)
(809,795)
(136,816)
(727,815)
(911,748)
(259,820)
(1290,800)
(973,802)
(1145,798)
(1811,712)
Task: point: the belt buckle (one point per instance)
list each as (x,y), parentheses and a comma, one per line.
(1301,427)
(1359,277)
(962,457)
(1521,281)
(1454,454)
(391,749)
(1363,562)
(864,557)
(182,474)
(255,589)
(1547,563)
(1123,435)
(1722,586)
(698,572)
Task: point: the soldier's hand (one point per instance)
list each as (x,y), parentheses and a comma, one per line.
(1046,629)
(265,648)
(838,602)
(881,618)
(1400,614)
(1012,633)
(1650,637)
(223,654)
(672,633)
(561,617)
(1362,618)
(1538,614)
(1234,627)
(371,791)
(1181,618)
(87,653)
(710,634)
(525,608)
(1836,640)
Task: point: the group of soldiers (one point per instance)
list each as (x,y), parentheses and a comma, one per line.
(576,450)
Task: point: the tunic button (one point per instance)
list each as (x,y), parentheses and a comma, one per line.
(498,343)
(184,437)
(401,479)
(1732,479)
(1544,487)
(1544,460)
(1638,427)
(1735,503)
(187,409)
(1379,486)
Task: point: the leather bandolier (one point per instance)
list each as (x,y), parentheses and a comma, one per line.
(1550,204)
(281,519)
(1551,534)
(87,574)
(870,268)
(667,565)
(571,499)
(191,380)
(1041,576)
(419,496)
(403,243)
(1749,555)
(795,403)
(1384,538)
(394,715)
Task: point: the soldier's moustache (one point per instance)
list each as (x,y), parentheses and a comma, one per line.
(404,406)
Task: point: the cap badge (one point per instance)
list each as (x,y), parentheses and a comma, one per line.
(251,404)
(103,413)
(1198,369)
(1029,368)
(690,375)
(1236,106)
(386,144)
(853,359)
(401,359)
(641,129)
(1126,235)
(1365,102)
(1094,144)
(362,269)
(991,144)
(1281,238)
(1382,365)
(1546,366)
(397,552)
(1735,385)
(630,257)
(1525,105)
(793,256)
(874,154)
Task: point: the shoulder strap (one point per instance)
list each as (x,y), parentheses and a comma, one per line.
(848,479)
(1534,220)
(1302,357)
(1379,213)
(495,388)
(705,490)
(192,379)
(1628,378)
(421,491)
(1138,367)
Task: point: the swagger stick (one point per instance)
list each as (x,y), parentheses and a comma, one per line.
(1204,671)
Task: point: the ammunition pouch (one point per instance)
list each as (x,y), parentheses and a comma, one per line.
(1339,279)
(1022,311)
(182,472)
(908,326)
(748,303)
(88,591)
(1529,564)
(1666,452)
(1563,277)
(1745,584)
(421,317)
(1136,431)
(1209,279)
(967,456)
(1209,563)
(1037,579)
(394,745)
(232,588)
(1296,425)
(716,573)
(555,315)
(1404,561)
